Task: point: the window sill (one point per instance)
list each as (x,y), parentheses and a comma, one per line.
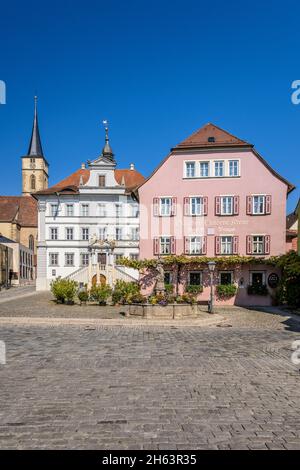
(209,177)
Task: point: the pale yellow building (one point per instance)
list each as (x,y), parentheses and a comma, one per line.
(18,214)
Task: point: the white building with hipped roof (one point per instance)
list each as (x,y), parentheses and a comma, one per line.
(87,222)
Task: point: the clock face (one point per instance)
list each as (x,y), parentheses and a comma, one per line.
(273,280)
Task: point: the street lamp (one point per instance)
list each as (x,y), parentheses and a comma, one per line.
(211,267)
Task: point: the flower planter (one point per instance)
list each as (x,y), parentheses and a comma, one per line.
(170,311)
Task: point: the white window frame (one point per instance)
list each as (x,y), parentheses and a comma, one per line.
(263,196)
(221,245)
(238,167)
(223,167)
(135,235)
(84,210)
(119,209)
(191,198)
(187,163)
(72,233)
(134,210)
(119,233)
(222,211)
(102,233)
(82,256)
(161,206)
(102,209)
(204,162)
(164,241)
(51,229)
(50,259)
(134,256)
(201,278)
(72,257)
(199,243)
(69,206)
(52,213)
(260,241)
(83,235)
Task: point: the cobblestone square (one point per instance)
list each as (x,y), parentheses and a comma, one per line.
(135,386)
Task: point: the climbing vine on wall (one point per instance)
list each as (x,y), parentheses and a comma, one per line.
(221,261)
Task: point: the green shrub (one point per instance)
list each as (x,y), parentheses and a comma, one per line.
(169,288)
(186,298)
(64,290)
(192,289)
(257,289)
(138,299)
(289,288)
(83,296)
(124,292)
(100,293)
(225,291)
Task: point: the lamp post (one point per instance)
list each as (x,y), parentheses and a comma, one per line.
(211,268)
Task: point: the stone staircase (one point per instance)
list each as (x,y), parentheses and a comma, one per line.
(111,273)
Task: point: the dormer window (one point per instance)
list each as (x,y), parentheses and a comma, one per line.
(102,181)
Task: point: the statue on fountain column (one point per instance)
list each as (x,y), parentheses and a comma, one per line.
(160,278)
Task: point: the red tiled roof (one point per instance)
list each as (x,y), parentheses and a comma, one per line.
(211,135)
(21,209)
(69,185)
(132,178)
(221,139)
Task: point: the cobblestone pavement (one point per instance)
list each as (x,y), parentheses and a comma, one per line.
(152,387)
(16,292)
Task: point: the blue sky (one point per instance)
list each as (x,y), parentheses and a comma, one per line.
(157,70)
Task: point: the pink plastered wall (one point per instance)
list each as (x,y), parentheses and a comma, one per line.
(241,278)
(255,178)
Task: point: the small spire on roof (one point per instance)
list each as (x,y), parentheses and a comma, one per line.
(35,147)
(107,150)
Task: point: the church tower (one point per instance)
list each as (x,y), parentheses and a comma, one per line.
(34,165)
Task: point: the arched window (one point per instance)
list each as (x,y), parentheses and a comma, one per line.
(32,182)
(31,242)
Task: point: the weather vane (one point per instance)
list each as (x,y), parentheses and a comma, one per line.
(105,124)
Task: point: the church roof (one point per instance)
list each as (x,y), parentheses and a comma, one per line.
(19,209)
(70,185)
(211,135)
(35,146)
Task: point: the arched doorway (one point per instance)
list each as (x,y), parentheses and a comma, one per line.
(102,280)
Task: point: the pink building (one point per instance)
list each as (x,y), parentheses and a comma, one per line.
(214,195)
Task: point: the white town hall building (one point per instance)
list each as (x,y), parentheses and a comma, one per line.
(87,222)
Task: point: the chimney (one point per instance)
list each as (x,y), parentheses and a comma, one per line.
(83,166)
(132,166)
